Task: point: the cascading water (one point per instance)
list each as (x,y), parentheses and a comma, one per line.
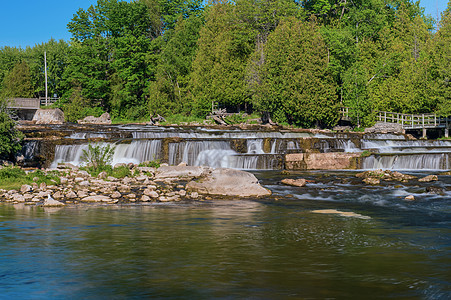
(249,149)
(135,152)
(409,162)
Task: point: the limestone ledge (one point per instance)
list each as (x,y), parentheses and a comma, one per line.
(322,161)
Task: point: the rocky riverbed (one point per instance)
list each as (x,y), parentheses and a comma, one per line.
(165,184)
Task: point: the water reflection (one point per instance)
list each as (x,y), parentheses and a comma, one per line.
(220,249)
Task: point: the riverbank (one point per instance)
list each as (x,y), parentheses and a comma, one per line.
(70,185)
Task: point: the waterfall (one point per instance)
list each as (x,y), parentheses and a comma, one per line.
(135,152)
(190,151)
(408,162)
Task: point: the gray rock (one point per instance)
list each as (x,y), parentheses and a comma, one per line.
(178,172)
(428,178)
(116,195)
(97,198)
(229,182)
(295,182)
(104,119)
(71,195)
(25,188)
(49,116)
(145,198)
(381,127)
(50,202)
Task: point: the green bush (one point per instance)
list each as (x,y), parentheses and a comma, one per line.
(98,157)
(120,172)
(10,137)
(150,164)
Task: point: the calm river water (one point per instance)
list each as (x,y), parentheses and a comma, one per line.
(274,248)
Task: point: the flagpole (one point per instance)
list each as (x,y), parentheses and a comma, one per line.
(45,67)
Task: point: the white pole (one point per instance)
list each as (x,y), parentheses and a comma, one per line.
(45,67)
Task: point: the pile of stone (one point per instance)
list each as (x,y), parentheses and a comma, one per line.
(165,184)
(374,177)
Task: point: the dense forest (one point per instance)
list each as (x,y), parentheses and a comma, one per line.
(299,61)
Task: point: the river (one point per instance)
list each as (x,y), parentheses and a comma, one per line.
(272,248)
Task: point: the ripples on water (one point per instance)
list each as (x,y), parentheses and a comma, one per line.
(273,248)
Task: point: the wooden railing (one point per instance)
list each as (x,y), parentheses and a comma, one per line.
(414,121)
(47,102)
(407,121)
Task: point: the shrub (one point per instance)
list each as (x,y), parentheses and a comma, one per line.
(150,164)
(98,157)
(10,137)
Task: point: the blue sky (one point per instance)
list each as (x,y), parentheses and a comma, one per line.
(29,22)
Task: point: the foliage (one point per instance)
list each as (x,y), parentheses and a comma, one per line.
(17,83)
(136,59)
(98,157)
(10,137)
(15,177)
(297,85)
(236,118)
(182,119)
(150,164)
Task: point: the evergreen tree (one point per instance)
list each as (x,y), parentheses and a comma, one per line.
(297,85)
(220,63)
(18,82)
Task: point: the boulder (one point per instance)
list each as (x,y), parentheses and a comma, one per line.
(25,188)
(179,172)
(49,116)
(410,198)
(381,127)
(116,195)
(97,198)
(295,182)
(428,178)
(229,182)
(372,181)
(435,190)
(50,202)
(104,119)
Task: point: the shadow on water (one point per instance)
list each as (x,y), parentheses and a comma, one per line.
(273,248)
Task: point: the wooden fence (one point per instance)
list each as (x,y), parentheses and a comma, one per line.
(414,121)
(407,121)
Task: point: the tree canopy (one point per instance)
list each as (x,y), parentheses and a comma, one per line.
(299,61)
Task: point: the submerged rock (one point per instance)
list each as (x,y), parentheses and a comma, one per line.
(341,213)
(410,198)
(295,182)
(229,182)
(428,178)
(372,181)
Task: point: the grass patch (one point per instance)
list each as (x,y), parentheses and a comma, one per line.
(366,153)
(150,164)
(14,177)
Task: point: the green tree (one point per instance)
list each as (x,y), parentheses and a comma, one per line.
(441,63)
(297,84)
(18,82)
(220,64)
(57,61)
(9,57)
(169,93)
(10,137)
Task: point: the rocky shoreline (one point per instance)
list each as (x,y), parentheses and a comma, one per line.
(165,184)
